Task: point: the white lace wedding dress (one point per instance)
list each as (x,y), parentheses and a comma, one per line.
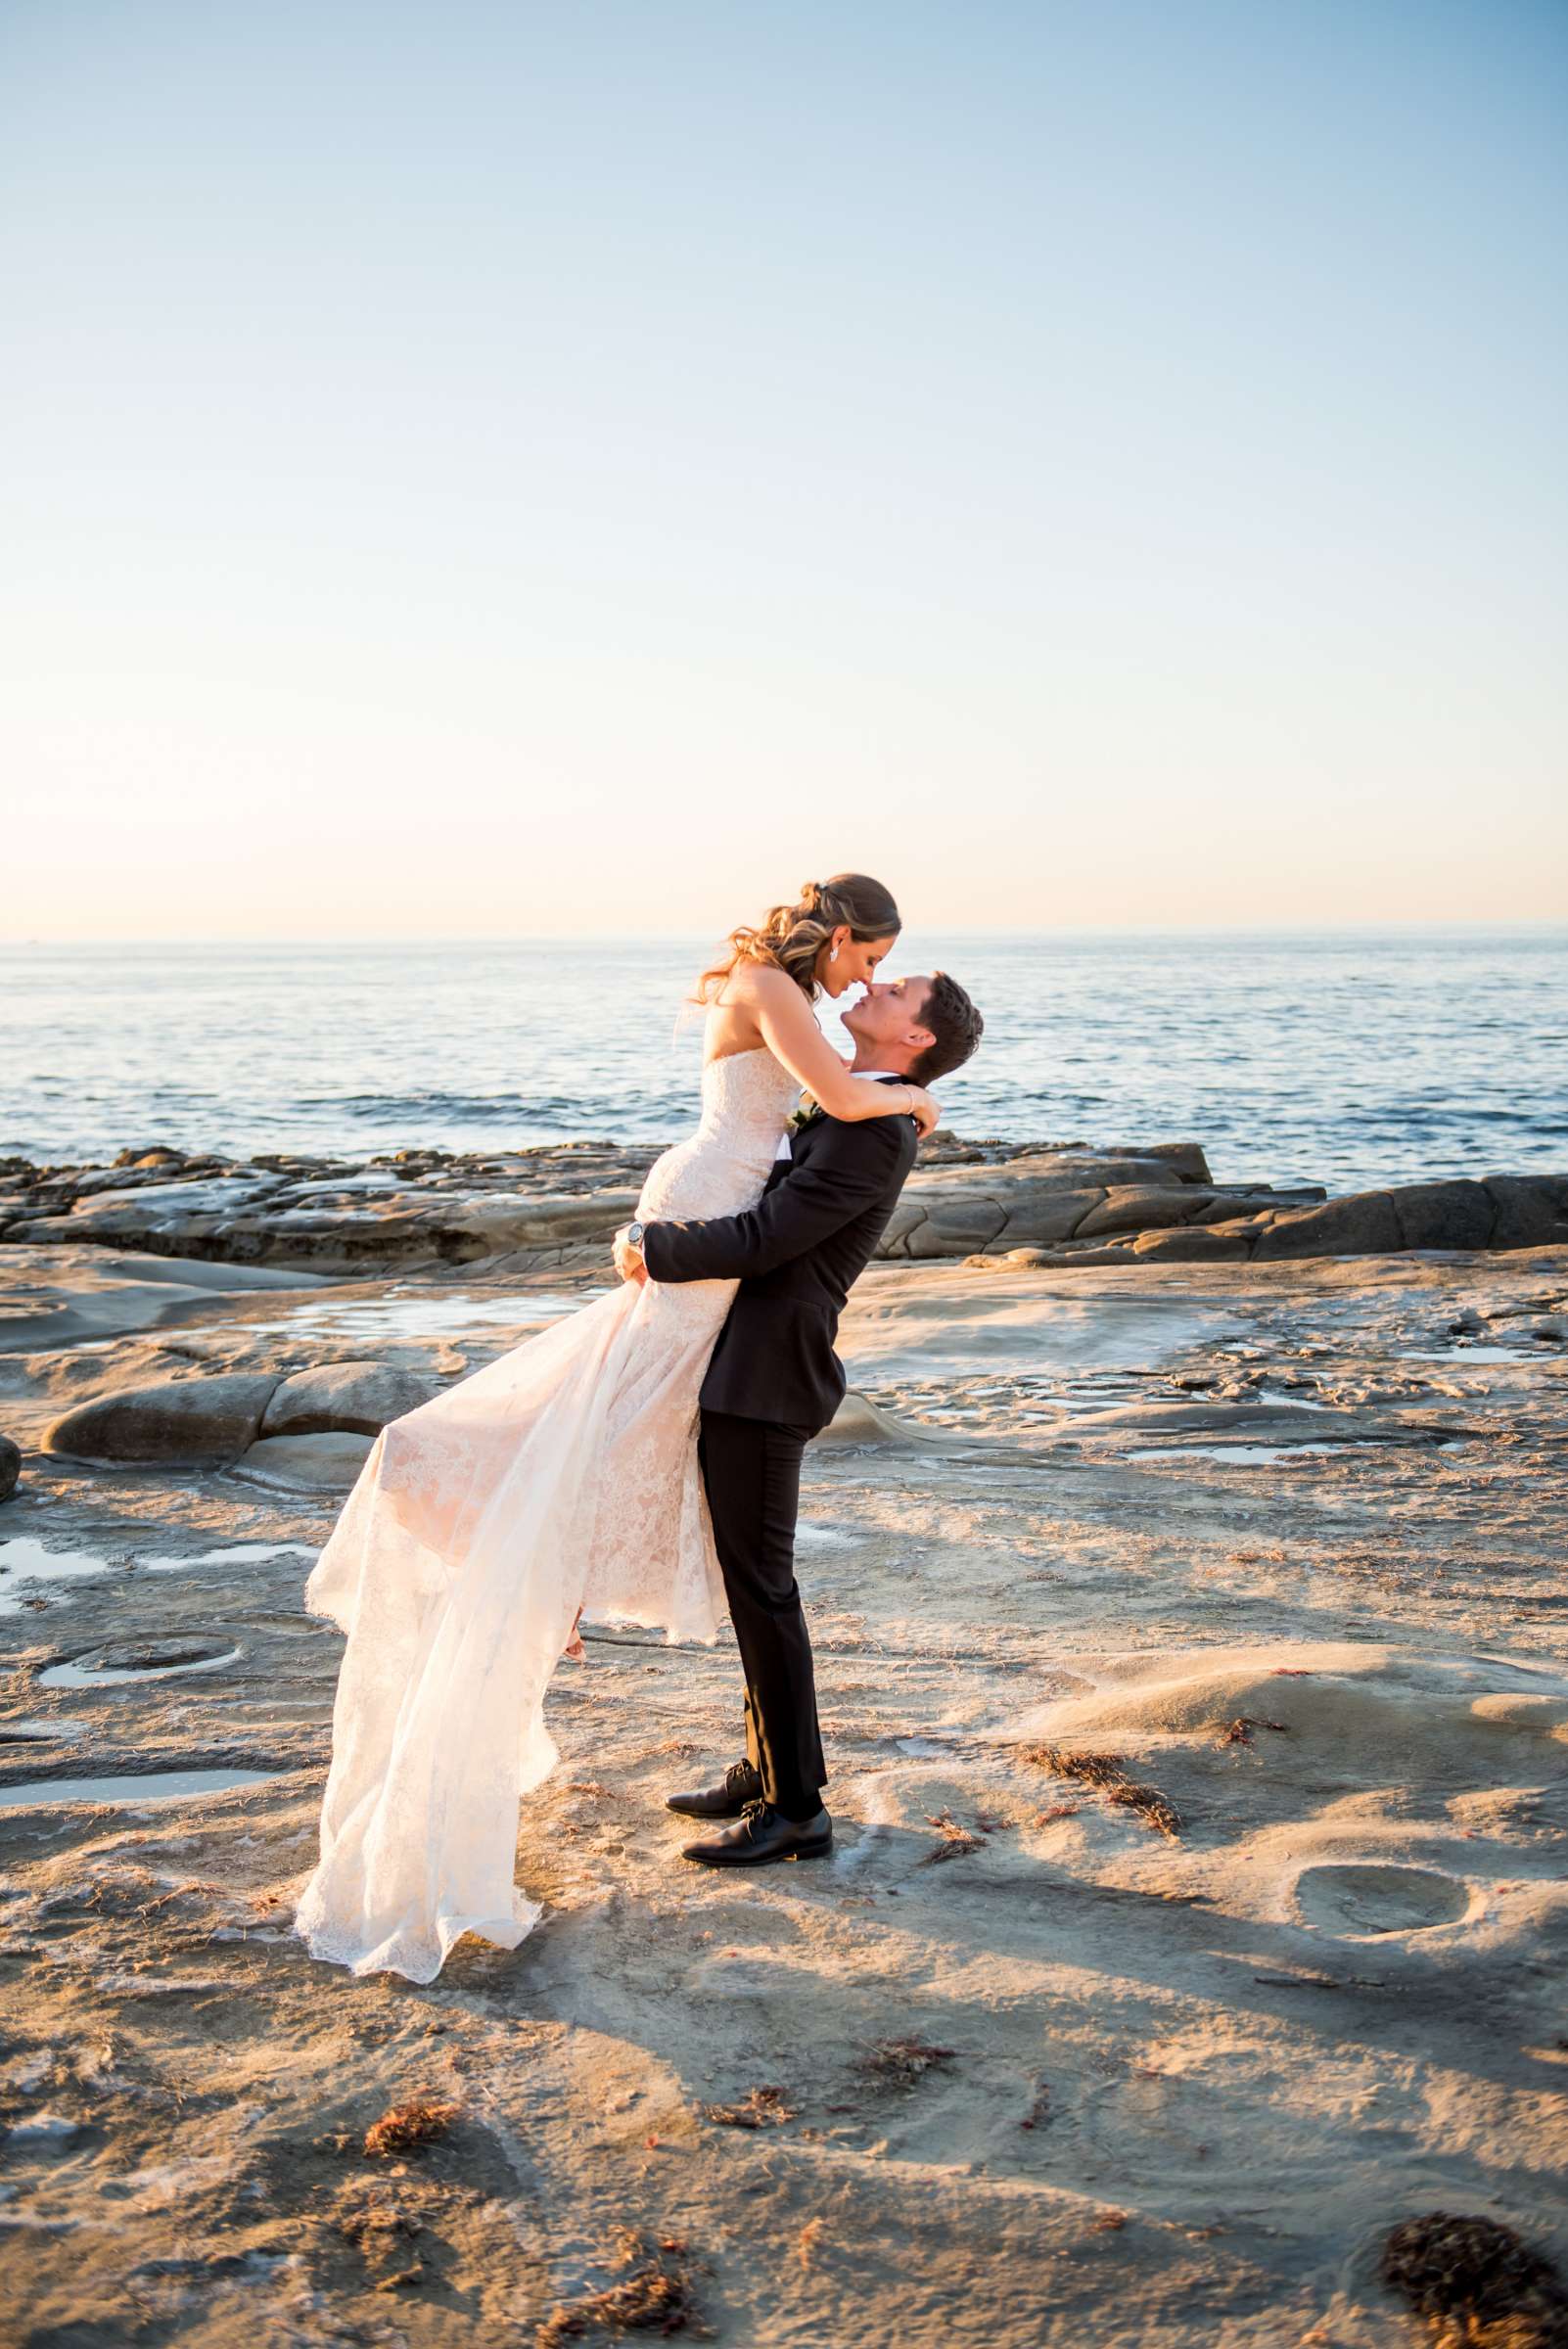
(562,1475)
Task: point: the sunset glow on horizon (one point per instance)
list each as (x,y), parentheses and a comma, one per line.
(520,472)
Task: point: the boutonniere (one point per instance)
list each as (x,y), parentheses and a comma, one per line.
(804,1114)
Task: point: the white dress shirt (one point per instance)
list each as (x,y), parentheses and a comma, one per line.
(784,1150)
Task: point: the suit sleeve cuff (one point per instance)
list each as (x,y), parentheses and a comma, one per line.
(654,1251)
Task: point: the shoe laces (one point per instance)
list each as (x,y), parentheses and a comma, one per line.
(739,1774)
(757,1808)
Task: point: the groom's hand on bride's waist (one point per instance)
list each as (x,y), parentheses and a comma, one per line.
(627,1255)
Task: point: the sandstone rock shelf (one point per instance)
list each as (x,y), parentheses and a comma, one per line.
(1060,1203)
(1277,1543)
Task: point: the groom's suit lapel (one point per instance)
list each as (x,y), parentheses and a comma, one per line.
(810,1125)
(782,1165)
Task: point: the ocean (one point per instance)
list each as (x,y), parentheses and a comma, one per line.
(1349,1058)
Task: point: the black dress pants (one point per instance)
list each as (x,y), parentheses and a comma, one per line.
(752,1474)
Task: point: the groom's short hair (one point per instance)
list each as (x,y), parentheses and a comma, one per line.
(955,1025)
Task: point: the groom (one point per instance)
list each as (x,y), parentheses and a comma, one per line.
(774,1382)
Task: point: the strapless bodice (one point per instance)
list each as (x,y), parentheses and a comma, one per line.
(746,1101)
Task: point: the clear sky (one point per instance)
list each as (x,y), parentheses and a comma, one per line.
(521,468)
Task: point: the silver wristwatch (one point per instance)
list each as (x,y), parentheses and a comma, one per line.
(634,1232)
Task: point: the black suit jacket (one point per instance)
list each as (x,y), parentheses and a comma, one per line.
(795,1255)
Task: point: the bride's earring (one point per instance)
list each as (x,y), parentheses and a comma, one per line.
(833,954)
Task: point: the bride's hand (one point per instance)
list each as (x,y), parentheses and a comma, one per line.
(627,1259)
(926,1113)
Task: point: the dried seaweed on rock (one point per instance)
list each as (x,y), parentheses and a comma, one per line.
(404,2126)
(904,2060)
(956,1839)
(655,2297)
(1040,2110)
(806,2240)
(1477,2284)
(1106,1772)
(1240,1732)
(759,2108)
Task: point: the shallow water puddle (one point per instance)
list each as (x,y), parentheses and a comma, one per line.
(430,1315)
(239,1553)
(1266,1454)
(1249,1455)
(1457,1356)
(813,1536)
(154,1786)
(1031,1394)
(74,1674)
(971,1326)
(25,1561)
(1360,1900)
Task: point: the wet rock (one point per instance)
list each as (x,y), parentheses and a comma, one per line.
(955,1223)
(1226,1206)
(1532,1210)
(152,1154)
(1091,1170)
(1363,1225)
(43,2128)
(424,1208)
(321,1463)
(1038,1213)
(10,1467)
(159,1217)
(1443,1215)
(1192,1244)
(517,1222)
(1185,1160)
(184,1420)
(1081,1252)
(859,1420)
(356,1397)
(1133,1209)
(905,1218)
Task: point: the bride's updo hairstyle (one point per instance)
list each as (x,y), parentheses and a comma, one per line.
(794,935)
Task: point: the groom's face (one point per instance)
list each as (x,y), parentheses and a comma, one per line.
(888,1016)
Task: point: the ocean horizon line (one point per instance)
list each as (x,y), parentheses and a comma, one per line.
(1551,926)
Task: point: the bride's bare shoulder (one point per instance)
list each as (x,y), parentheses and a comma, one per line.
(762,986)
(751,985)
(733,1006)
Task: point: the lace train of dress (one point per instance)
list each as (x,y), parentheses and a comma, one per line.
(564,1474)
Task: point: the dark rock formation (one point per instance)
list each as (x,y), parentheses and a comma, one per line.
(349,1398)
(1064,1201)
(195,1421)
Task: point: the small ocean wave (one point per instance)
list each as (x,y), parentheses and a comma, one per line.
(470,1108)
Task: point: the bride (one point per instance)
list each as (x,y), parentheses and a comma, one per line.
(560,1480)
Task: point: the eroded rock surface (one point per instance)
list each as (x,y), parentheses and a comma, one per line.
(560,1204)
(185,1419)
(1272,1549)
(356,1397)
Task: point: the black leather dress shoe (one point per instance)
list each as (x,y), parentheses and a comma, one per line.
(742,1785)
(762,1833)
